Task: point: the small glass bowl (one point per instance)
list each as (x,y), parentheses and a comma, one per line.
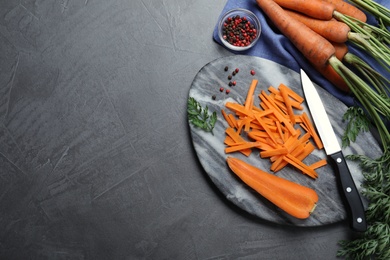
(253,22)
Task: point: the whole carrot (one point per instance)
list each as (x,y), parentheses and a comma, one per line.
(313,46)
(332,29)
(348,9)
(322,9)
(315,8)
(297,200)
(341,50)
(330,74)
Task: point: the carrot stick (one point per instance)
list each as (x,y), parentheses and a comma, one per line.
(300,165)
(233,120)
(312,130)
(312,45)
(318,164)
(332,30)
(251,91)
(237,108)
(286,98)
(227,118)
(242,146)
(237,138)
(297,200)
(291,93)
(274,152)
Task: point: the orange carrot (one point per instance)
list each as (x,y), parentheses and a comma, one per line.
(249,97)
(348,9)
(330,74)
(312,130)
(341,50)
(300,165)
(289,107)
(312,45)
(332,30)
(315,8)
(271,129)
(318,164)
(241,146)
(227,118)
(237,138)
(297,200)
(291,93)
(274,152)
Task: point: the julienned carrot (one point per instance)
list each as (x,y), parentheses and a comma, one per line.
(318,164)
(315,8)
(311,129)
(251,91)
(289,107)
(348,9)
(300,165)
(313,46)
(297,200)
(237,138)
(272,129)
(332,30)
(242,146)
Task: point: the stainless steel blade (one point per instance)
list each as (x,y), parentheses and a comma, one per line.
(319,115)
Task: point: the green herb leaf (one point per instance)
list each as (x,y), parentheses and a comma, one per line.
(357,123)
(199,116)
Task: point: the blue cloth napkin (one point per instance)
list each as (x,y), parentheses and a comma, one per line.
(272,45)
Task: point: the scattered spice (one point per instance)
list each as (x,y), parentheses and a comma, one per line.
(253,72)
(227,91)
(214,97)
(230,77)
(221,89)
(234,83)
(237,70)
(226,68)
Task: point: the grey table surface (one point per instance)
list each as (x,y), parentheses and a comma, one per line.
(96,158)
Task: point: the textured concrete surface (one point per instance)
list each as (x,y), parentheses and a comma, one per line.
(96,160)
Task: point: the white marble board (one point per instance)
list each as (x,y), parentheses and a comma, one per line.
(210,147)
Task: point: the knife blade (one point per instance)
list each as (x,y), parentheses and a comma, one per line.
(332,148)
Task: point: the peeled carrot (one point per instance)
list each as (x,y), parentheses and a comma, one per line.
(314,8)
(333,30)
(348,9)
(312,45)
(297,200)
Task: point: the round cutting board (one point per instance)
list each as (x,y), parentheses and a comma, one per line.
(209,89)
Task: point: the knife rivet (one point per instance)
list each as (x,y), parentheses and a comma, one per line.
(359,220)
(339,160)
(348,189)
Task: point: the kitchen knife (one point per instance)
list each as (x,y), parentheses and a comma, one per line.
(332,148)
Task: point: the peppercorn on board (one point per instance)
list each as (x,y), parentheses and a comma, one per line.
(227,80)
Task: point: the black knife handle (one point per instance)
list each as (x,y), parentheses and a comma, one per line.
(351,193)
